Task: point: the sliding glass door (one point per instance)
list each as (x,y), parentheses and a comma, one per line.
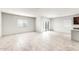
(46,25)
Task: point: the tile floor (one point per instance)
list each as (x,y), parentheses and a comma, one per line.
(33,41)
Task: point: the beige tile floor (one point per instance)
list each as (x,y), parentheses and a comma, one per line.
(33,41)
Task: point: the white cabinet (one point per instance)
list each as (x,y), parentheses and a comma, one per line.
(75,34)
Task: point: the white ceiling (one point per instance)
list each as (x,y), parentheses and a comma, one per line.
(48,12)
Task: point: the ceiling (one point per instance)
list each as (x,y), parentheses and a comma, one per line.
(47,12)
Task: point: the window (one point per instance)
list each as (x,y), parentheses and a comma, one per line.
(22,23)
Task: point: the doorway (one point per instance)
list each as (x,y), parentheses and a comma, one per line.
(47,26)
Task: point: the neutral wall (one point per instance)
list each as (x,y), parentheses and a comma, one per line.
(63,24)
(0,25)
(9,24)
(51,24)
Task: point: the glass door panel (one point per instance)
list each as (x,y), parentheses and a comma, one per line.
(47,26)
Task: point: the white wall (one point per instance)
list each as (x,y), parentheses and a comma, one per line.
(63,24)
(38,24)
(9,24)
(0,25)
(51,24)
